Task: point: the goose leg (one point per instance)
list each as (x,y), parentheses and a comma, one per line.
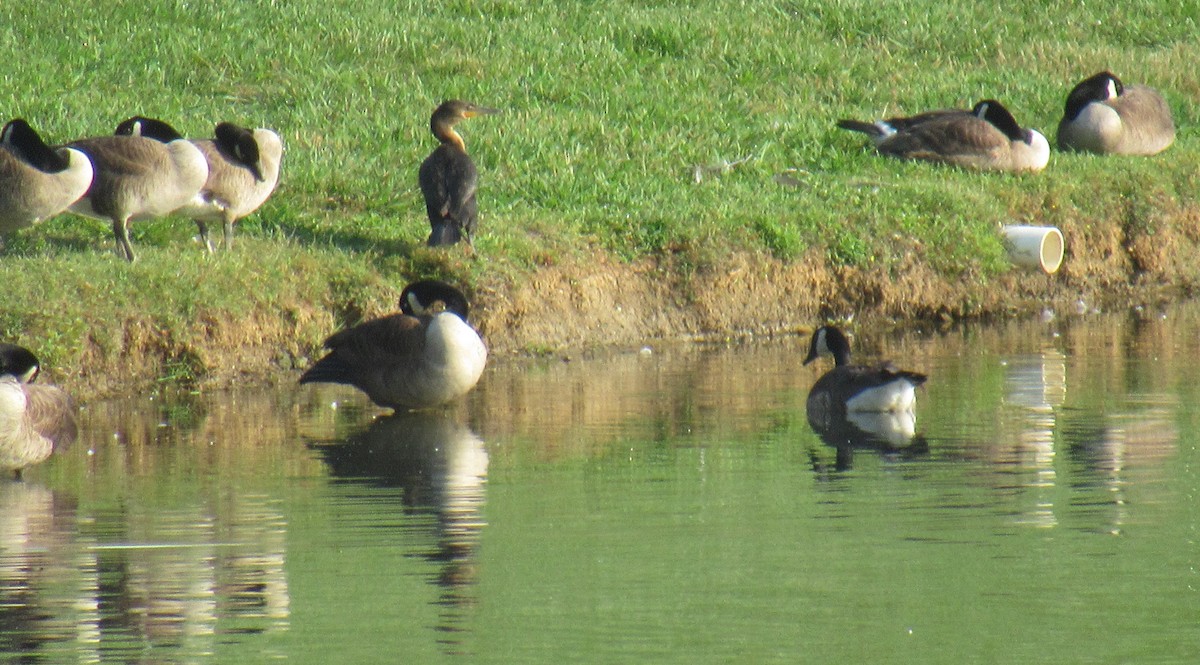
(229,232)
(121,232)
(203,226)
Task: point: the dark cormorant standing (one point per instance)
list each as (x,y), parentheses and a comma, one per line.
(448,177)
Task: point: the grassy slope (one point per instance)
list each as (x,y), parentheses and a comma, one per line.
(609,107)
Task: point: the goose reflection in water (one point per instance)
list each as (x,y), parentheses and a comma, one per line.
(46,589)
(440,464)
(72,587)
(892,432)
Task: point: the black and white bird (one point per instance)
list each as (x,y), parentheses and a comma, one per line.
(137,178)
(243,170)
(1105,116)
(847,388)
(417,359)
(35,420)
(36,181)
(986,138)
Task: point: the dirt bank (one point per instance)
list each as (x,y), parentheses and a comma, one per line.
(603,301)
(606,302)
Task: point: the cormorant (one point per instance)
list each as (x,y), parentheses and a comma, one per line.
(448,177)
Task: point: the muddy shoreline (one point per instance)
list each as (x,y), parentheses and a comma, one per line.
(603,302)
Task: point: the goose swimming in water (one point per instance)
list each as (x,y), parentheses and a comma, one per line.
(847,388)
(35,420)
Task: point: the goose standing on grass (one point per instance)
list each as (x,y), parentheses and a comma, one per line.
(986,138)
(848,389)
(448,177)
(35,420)
(1105,116)
(139,178)
(417,359)
(243,169)
(37,181)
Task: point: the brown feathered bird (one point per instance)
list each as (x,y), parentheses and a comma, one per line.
(243,170)
(986,138)
(139,178)
(35,420)
(416,359)
(1105,116)
(37,181)
(448,177)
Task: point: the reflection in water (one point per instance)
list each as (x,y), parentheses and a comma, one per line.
(847,431)
(131,581)
(441,466)
(176,579)
(888,433)
(147,571)
(37,528)
(196,528)
(1036,385)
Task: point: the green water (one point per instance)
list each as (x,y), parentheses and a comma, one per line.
(666,507)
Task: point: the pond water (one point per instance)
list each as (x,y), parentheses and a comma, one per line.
(671,506)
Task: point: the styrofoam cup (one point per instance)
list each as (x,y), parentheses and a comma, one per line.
(1035,246)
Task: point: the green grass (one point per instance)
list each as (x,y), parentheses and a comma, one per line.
(609,108)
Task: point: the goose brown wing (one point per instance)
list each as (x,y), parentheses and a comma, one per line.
(1146,118)
(888,372)
(902,123)
(379,340)
(946,138)
(52,414)
(121,156)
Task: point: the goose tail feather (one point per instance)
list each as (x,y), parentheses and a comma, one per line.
(329,369)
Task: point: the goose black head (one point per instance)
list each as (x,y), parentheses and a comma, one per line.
(829,341)
(418,297)
(1095,88)
(19,362)
(239,143)
(150,128)
(23,140)
(1001,118)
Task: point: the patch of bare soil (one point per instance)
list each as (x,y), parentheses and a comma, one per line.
(605,302)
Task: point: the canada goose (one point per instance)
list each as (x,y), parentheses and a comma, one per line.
(139,178)
(448,177)
(35,420)
(850,388)
(413,360)
(37,181)
(987,138)
(1105,116)
(243,169)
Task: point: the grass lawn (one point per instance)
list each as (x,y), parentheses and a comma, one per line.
(630,129)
